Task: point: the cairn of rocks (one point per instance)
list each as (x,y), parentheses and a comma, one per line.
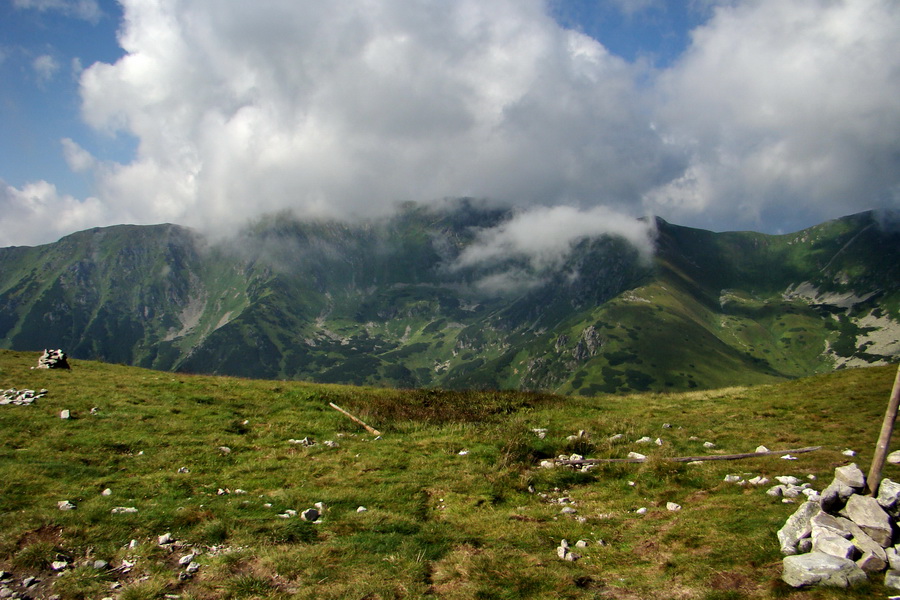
(21,397)
(840,537)
(53,359)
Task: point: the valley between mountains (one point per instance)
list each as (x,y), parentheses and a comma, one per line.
(390,302)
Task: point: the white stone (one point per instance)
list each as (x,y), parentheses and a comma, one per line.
(835,545)
(361,509)
(848,452)
(851,475)
(106,492)
(65,505)
(636,455)
(761,449)
(797,527)
(641,511)
(894,457)
(643,440)
(787,480)
(871,518)
(816,568)
(672,506)
(708,445)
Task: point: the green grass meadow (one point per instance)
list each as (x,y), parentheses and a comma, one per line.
(456,504)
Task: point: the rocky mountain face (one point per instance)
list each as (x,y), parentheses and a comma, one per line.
(388,303)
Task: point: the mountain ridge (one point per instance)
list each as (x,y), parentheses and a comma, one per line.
(383,302)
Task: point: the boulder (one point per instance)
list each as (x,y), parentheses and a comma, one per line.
(889,496)
(817,568)
(892,579)
(833,497)
(871,518)
(829,543)
(871,563)
(797,527)
(893,558)
(851,475)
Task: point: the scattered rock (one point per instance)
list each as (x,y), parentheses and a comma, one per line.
(65,414)
(894,457)
(817,568)
(672,506)
(361,509)
(708,445)
(20,397)
(636,455)
(310,514)
(65,505)
(123,510)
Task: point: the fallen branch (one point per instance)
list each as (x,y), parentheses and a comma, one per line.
(371,430)
(595,461)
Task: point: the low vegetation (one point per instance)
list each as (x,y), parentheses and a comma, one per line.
(456,505)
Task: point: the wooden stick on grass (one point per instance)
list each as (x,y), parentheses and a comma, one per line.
(884,440)
(371,430)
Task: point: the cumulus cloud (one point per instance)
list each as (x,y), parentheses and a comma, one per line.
(347,108)
(779,114)
(39,206)
(789,112)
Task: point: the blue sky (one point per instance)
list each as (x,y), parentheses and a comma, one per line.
(725,114)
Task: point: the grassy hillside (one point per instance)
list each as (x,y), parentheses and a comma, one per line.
(448,487)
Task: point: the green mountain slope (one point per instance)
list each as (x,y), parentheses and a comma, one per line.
(386,303)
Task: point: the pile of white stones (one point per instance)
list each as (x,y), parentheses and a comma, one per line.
(20,397)
(53,359)
(840,537)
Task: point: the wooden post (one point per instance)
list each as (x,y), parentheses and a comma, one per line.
(371,430)
(884,440)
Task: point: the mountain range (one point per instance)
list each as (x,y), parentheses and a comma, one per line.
(390,302)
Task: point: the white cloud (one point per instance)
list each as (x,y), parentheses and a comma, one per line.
(535,243)
(78,159)
(789,111)
(46,67)
(347,108)
(37,211)
(780,114)
(88,10)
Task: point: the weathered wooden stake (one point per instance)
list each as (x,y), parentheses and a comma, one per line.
(884,440)
(371,430)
